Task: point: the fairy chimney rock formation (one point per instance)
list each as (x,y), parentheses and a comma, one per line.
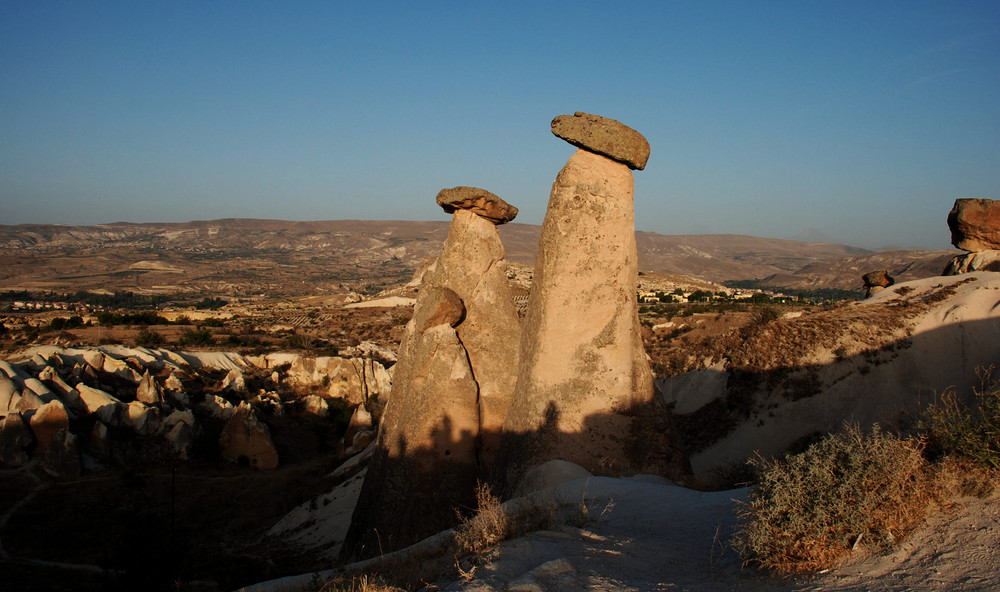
(585,391)
(476,200)
(603,136)
(451,386)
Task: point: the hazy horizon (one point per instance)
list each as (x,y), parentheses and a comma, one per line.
(856,121)
(807,236)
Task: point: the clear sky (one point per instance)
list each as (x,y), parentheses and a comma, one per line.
(860,120)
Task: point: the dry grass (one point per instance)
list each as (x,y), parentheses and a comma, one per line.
(362,583)
(487,528)
(850,489)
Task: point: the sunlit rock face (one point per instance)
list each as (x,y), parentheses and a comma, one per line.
(975,227)
(585,391)
(975,224)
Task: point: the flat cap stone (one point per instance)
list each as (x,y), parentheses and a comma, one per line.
(603,136)
(478,201)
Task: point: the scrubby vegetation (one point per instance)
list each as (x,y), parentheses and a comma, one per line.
(852,488)
(969,432)
(487,528)
(871,489)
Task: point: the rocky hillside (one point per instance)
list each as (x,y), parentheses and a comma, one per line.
(243,257)
(774,385)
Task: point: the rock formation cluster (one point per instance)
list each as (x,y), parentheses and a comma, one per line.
(74,409)
(975,227)
(477,397)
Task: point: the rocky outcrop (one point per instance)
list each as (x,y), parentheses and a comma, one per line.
(881,360)
(148,391)
(143,419)
(603,136)
(97,402)
(246,439)
(234,382)
(975,227)
(315,406)
(89,393)
(876,281)
(451,388)
(585,391)
(975,224)
(217,407)
(353,379)
(99,443)
(361,421)
(47,421)
(15,439)
(478,201)
(7,391)
(62,457)
(978,261)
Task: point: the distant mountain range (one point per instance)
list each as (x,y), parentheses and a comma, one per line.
(246,257)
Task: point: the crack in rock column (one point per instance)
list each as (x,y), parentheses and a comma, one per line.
(585,391)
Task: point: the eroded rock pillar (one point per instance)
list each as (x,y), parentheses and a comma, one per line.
(585,391)
(451,386)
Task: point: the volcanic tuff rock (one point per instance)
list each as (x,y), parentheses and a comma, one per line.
(585,390)
(880,360)
(478,201)
(47,420)
(975,224)
(425,461)
(472,264)
(969,262)
(7,391)
(451,389)
(245,438)
(876,281)
(603,136)
(62,458)
(148,391)
(441,306)
(15,438)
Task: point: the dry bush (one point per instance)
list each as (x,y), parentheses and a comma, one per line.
(848,489)
(958,477)
(967,431)
(487,527)
(362,583)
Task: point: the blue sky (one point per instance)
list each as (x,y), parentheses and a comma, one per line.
(861,120)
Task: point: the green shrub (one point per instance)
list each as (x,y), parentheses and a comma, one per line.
(146,337)
(200,336)
(966,431)
(811,509)
(300,341)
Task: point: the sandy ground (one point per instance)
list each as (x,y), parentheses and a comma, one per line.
(646,534)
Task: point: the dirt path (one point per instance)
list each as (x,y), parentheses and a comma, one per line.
(956,549)
(659,537)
